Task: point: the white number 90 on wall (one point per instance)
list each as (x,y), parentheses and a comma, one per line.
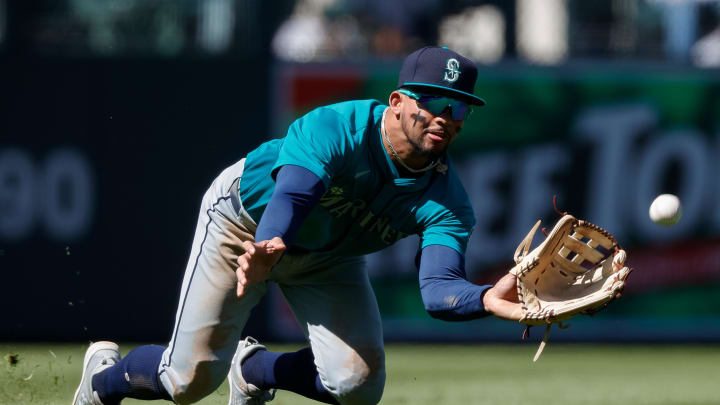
(55,194)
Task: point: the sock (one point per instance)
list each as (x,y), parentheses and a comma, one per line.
(135,376)
(294,372)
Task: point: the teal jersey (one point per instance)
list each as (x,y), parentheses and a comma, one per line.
(367,206)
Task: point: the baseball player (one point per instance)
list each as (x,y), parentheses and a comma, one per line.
(348,179)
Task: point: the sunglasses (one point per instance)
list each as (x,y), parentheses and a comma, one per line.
(436,105)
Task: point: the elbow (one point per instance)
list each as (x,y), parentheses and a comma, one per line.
(447,315)
(439,314)
(452,308)
(441,308)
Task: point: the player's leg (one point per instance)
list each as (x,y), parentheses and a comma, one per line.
(339,313)
(134,376)
(335,304)
(256,372)
(209,319)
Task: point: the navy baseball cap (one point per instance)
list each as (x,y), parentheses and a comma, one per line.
(439,70)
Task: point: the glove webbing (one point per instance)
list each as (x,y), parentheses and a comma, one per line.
(524,247)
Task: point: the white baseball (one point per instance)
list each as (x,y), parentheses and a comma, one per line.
(666,210)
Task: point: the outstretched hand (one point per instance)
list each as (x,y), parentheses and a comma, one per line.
(502,300)
(255,264)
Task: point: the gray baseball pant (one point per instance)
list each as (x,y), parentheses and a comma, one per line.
(331,298)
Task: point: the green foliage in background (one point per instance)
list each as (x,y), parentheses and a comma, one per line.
(444,374)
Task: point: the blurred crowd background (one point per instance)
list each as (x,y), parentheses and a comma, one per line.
(116,115)
(547,32)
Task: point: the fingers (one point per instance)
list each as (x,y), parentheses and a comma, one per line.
(257,260)
(244,259)
(242,282)
(243,262)
(249,247)
(619,259)
(275,245)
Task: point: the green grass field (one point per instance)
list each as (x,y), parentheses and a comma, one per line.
(454,374)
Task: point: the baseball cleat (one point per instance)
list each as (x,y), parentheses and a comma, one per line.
(98,357)
(242,393)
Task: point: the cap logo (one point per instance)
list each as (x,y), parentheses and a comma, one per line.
(452,70)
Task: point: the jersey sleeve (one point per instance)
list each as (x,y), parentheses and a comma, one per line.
(320,142)
(450,228)
(447,214)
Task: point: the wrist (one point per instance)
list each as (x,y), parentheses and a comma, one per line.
(487,302)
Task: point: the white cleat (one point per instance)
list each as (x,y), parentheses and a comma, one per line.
(242,393)
(98,357)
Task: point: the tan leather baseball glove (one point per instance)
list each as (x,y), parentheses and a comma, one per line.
(578,269)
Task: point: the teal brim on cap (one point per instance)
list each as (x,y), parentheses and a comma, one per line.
(470,98)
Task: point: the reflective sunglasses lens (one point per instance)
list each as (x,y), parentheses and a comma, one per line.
(460,111)
(436,105)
